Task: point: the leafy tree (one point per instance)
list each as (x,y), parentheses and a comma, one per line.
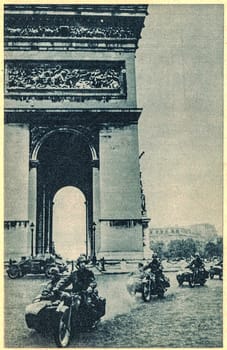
(158,248)
(210,249)
(219,246)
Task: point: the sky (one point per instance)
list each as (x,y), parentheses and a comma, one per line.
(69,222)
(179,71)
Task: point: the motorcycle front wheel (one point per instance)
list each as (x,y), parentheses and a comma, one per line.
(160,293)
(62,333)
(191,282)
(180,280)
(146,293)
(202,282)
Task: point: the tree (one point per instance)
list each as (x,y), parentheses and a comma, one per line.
(210,250)
(158,248)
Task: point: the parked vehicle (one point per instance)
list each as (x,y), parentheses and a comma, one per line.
(216,270)
(146,284)
(63,314)
(39,264)
(200,277)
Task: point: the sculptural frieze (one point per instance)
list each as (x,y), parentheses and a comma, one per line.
(79,30)
(52,76)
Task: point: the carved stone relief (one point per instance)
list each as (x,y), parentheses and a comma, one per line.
(28,76)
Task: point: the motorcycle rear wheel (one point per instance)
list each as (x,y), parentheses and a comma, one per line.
(146,293)
(62,333)
(13,272)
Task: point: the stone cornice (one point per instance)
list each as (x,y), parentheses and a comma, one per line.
(73,27)
(70,116)
(72,9)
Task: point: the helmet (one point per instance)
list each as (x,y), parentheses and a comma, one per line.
(197,255)
(154,255)
(53,270)
(81,259)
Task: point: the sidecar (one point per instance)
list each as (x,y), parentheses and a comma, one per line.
(41,315)
(135,283)
(184,276)
(188,276)
(216,271)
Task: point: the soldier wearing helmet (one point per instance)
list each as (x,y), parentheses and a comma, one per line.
(80,279)
(196,264)
(155,267)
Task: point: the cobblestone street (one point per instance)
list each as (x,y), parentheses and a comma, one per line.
(184,318)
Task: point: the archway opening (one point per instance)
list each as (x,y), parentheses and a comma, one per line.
(69,222)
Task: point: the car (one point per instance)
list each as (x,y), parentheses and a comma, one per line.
(39,264)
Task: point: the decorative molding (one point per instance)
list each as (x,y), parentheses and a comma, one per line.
(95,163)
(8,224)
(119,223)
(33,163)
(36,133)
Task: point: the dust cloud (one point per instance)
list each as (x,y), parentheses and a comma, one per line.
(118,300)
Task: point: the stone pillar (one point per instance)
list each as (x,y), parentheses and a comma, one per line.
(96,206)
(32,200)
(120,197)
(32,207)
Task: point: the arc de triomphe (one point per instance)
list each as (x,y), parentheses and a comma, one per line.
(71,119)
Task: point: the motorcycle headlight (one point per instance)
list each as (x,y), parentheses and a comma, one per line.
(89,301)
(89,290)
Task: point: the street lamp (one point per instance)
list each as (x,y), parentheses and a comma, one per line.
(32,232)
(93,233)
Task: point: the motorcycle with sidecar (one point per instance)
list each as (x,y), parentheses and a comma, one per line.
(64,313)
(193,277)
(147,284)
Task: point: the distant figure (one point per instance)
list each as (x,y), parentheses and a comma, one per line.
(102,261)
(123,264)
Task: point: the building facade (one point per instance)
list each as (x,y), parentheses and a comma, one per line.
(200,232)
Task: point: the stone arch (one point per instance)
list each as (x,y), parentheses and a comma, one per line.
(51,176)
(34,155)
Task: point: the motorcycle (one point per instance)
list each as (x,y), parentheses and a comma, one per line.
(198,276)
(64,313)
(152,286)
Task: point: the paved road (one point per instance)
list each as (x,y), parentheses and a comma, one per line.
(184,318)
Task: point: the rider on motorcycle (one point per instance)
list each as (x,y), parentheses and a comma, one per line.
(83,282)
(196,264)
(155,267)
(80,278)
